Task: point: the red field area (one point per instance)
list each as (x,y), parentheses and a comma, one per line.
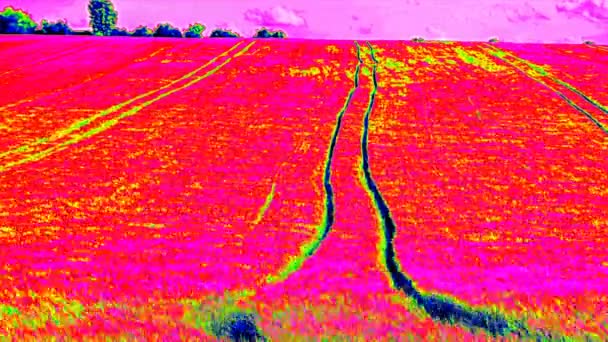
(88,85)
(138,194)
(166,204)
(30,50)
(583,67)
(497,186)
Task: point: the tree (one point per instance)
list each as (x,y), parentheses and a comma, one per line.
(221,33)
(60,27)
(493,40)
(265,33)
(142,31)
(195,31)
(103,17)
(167,30)
(16,21)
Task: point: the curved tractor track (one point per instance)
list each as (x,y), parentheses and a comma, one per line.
(329,206)
(439,307)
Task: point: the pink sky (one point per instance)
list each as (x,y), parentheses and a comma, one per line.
(548,21)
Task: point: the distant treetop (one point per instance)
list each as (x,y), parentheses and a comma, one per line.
(16,21)
(142,31)
(60,27)
(195,31)
(265,33)
(119,32)
(167,30)
(221,33)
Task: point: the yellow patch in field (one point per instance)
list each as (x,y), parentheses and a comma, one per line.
(498,187)
(7,232)
(493,218)
(491,236)
(332,49)
(597,223)
(598,190)
(79,259)
(312,71)
(147,225)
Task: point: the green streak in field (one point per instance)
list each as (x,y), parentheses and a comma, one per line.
(109,123)
(501,54)
(466,57)
(81,123)
(477,59)
(8,310)
(583,95)
(393,64)
(366,71)
(70,312)
(430,60)
(264,208)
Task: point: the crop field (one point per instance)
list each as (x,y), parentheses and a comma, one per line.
(162,189)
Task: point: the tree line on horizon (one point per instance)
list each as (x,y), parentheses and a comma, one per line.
(103,19)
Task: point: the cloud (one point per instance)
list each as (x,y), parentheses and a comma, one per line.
(592,10)
(277,16)
(365,30)
(82,22)
(434,32)
(520,14)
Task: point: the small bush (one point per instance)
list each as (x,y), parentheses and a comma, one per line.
(237,326)
(16,22)
(221,33)
(265,33)
(195,31)
(142,31)
(418,40)
(60,27)
(224,317)
(166,30)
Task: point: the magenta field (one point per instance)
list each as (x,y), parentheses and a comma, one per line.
(162,189)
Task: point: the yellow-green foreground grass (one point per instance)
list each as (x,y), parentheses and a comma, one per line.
(54,317)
